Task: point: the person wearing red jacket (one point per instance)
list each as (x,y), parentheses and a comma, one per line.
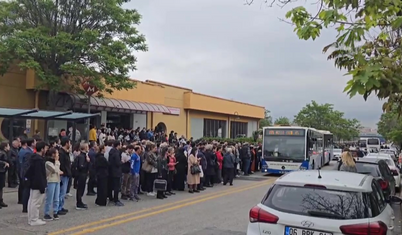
(219,157)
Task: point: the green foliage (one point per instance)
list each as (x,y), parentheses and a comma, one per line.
(267,121)
(390,127)
(324,117)
(71,40)
(282,121)
(228,140)
(368,44)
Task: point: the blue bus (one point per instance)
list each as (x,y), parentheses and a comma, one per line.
(290,148)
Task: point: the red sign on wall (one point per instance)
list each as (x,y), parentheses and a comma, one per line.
(88,88)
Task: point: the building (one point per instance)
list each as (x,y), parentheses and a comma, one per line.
(151,104)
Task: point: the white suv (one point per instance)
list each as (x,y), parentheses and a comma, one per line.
(323,203)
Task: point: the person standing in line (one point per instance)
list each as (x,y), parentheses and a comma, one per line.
(135,171)
(65,167)
(4,166)
(115,173)
(36,180)
(81,165)
(228,166)
(92,174)
(12,171)
(25,160)
(102,173)
(53,173)
(171,164)
(126,171)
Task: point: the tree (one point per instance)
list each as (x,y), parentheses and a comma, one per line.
(65,42)
(267,120)
(390,127)
(282,121)
(324,117)
(368,44)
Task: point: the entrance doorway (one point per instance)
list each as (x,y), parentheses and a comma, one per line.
(161,127)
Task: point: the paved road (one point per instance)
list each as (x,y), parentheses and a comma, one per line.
(221,210)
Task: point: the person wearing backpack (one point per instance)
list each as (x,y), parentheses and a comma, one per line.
(81,168)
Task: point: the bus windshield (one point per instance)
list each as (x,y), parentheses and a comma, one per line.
(289,147)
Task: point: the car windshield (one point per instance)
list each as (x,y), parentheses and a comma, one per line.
(368,168)
(293,147)
(317,202)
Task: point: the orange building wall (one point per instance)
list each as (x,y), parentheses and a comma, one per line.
(196,101)
(173,97)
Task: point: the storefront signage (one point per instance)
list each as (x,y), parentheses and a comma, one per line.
(174,111)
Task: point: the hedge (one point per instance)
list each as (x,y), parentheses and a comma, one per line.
(229,140)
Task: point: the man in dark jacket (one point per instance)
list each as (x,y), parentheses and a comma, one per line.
(92,173)
(12,171)
(115,173)
(24,157)
(245,156)
(81,166)
(65,167)
(37,183)
(203,162)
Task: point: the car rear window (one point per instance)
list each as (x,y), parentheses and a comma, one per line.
(368,168)
(317,202)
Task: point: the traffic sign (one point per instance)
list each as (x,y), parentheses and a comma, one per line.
(88,88)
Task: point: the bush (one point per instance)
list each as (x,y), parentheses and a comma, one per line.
(229,140)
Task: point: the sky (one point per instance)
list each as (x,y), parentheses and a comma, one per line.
(246,53)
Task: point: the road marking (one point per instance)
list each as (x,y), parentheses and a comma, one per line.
(202,195)
(226,192)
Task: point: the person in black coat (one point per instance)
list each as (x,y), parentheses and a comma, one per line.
(115,173)
(102,172)
(81,163)
(181,170)
(4,166)
(211,161)
(37,183)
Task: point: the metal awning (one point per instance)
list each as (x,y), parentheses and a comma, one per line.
(110,104)
(44,115)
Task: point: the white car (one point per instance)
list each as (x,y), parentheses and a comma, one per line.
(383,154)
(322,203)
(337,154)
(390,152)
(392,166)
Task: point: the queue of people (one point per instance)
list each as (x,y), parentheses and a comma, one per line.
(122,169)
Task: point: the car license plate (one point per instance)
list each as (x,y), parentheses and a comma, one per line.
(302,231)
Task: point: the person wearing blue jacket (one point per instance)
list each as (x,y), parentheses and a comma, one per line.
(135,163)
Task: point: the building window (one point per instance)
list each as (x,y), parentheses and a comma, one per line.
(18,125)
(214,128)
(238,129)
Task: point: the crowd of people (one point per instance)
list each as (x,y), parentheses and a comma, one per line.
(120,168)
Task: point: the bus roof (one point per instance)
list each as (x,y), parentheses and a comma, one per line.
(296,127)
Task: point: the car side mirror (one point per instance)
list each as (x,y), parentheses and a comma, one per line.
(395,200)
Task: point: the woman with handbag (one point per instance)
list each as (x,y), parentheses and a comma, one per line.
(194,170)
(150,168)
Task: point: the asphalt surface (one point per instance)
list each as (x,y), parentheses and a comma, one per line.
(221,210)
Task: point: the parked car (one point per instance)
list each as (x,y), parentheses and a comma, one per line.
(393,167)
(379,169)
(325,203)
(393,157)
(337,154)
